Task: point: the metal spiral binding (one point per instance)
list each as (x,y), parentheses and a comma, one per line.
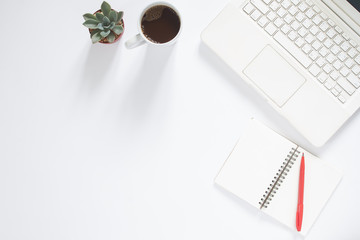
(279,177)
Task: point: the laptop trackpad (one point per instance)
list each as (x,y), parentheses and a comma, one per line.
(273,75)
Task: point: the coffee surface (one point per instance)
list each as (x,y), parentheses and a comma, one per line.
(160,24)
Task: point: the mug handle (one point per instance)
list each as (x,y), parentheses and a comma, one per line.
(135,41)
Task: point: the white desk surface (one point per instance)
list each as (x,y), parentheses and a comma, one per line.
(102,142)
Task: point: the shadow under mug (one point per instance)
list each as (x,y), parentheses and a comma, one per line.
(142,37)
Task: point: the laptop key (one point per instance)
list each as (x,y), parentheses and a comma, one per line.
(278,22)
(352,52)
(302,32)
(281,12)
(330,58)
(331,22)
(299,42)
(285,29)
(335,92)
(260,5)
(322,77)
(357,59)
(345,46)
(314,30)
(346,36)
(338,88)
(328,43)
(334,75)
(354,80)
(356,69)
(292,35)
(303,6)
(310,13)
(338,29)
(314,55)
(350,89)
(295,2)
(286,4)
(327,68)
(248,8)
(300,16)
(294,51)
(255,15)
(263,21)
(344,71)
(316,9)
(306,48)
(309,2)
(271,16)
(316,45)
(307,23)
(274,6)
(338,39)
(321,36)
(314,70)
(324,26)
(309,38)
(342,98)
(353,43)
(342,56)
(329,84)
(331,33)
(349,62)
(293,10)
(320,62)
(270,28)
(337,65)
(317,20)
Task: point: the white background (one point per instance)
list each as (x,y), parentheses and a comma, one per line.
(101,142)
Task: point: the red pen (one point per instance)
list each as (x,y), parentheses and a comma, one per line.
(299,211)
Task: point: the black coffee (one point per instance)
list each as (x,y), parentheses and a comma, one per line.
(160,24)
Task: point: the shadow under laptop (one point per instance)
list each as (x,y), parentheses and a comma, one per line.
(341,131)
(236,82)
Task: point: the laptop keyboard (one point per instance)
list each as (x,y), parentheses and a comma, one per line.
(314,40)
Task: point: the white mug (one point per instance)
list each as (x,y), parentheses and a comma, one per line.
(140,38)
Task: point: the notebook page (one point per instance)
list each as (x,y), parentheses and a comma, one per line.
(251,166)
(321,180)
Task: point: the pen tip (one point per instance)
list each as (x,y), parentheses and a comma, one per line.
(303,155)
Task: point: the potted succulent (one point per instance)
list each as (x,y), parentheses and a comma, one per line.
(105,25)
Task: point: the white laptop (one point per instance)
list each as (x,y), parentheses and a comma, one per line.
(303,56)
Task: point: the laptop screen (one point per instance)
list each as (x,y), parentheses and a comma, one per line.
(355,4)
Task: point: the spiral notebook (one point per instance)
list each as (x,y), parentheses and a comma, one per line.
(263,169)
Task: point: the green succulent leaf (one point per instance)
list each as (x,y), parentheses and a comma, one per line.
(105,33)
(99,16)
(111,37)
(110,26)
(113,16)
(91,23)
(94,32)
(100,26)
(118,29)
(88,16)
(105,8)
(96,37)
(106,21)
(120,15)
